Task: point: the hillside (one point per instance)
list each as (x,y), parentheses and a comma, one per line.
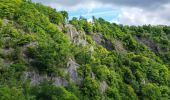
(45,56)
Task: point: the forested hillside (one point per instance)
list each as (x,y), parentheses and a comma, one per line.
(45,56)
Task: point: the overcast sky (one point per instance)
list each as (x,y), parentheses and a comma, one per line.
(131,12)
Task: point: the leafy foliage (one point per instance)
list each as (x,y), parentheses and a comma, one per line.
(118,62)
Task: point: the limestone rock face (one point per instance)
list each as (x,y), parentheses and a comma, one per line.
(103,86)
(72,70)
(150,43)
(58,81)
(97,37)
(91,49)
(36,78)
(5,21)
(76,37)
(119,46)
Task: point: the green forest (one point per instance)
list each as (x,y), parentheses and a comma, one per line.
(46,56)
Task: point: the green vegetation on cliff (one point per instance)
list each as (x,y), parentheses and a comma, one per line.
(108,61)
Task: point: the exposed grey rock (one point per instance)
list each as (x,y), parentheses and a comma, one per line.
(92,75)
(5,22)
(103,86)
(6,51)
(97,37)
(58,81)
(72,32)
(31,44)
(143,81)
(150,43)
(36,78)
(91,49)
(82,39)
(77,37)
(119,46)
(72,70)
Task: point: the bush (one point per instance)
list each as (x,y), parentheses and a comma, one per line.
(31,19)
(151,92)
(9,7)
(47,91)
(113,94)
(83,56)
(48,57)
(101,72)
(90,88)
(10,93)
(54,16)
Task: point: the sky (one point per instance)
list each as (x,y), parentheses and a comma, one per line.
(127,12)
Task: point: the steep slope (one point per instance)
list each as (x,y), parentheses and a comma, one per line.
(43,56)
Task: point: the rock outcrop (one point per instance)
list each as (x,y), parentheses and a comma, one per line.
(98,38)
(103,86)
(36,78)
(77,37)
(72,71)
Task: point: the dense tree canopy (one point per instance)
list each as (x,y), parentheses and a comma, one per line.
(116,62)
